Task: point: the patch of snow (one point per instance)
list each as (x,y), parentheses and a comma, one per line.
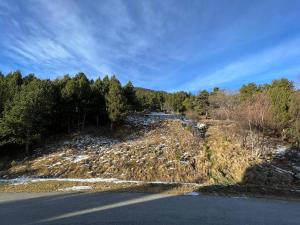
(201,126)
(88,142)
(157,114)
(281,150)
(297,168)
(76,188)
(243,197)
(55,164)
(192,193)
(25,180)
(15,181)
(151,118)
(80,158)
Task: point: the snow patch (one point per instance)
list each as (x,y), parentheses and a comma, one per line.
(76,188)
(55,164)
(25,180)
(80,158)
(242,197)
(192,193)
(281,150)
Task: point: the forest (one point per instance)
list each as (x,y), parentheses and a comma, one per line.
(33,109)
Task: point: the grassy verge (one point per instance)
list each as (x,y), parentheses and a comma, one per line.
(216,190)
(251,191)
(60,186)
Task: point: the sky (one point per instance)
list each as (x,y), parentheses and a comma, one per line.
(166,45)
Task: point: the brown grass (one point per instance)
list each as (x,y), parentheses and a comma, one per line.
(59,186)
(167,151)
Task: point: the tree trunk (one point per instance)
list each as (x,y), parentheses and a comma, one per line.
(78,123)
(111,126)
(97,121)
(83,122)
(27,143)
(69,128)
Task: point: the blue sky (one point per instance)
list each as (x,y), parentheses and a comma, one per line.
(163,45)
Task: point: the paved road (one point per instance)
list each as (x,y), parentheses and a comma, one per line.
(136,208)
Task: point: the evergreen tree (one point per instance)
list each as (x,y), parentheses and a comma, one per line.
(83,97)
(98,104)
(294,113)
(248,90)
(116,102)
(25,118)
(13,82)
(2,93)
(174,101)
(188,103)
(130,96)
(215,90)
(201,103)
(105,84)
(280,92)
(30,77)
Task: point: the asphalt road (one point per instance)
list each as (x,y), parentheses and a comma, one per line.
(137,208)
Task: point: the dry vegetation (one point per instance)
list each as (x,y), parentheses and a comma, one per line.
(167,150)
(54,186)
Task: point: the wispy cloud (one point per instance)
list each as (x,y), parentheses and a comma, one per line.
(157,44)
(272,60)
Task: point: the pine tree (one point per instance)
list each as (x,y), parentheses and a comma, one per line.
(248,90)
(98,104)
(25,118)
(280,92)
(116,102)
(2,93)
(83,96)
(130,96)
(201,103)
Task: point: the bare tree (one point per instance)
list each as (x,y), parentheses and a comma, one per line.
(255,115)
(222,105)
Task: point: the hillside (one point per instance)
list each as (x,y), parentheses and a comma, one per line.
(163,149)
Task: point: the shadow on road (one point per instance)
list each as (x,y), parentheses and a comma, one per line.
(127,206)
(140,208)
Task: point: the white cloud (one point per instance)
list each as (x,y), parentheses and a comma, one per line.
(258,63)
(150,42)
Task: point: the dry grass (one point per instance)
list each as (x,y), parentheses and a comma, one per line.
(228,159)
(166,151)
(59,186)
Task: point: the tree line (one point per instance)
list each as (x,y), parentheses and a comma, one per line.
(271,109)
(32,109)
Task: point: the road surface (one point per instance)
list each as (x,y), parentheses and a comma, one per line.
(137,208)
